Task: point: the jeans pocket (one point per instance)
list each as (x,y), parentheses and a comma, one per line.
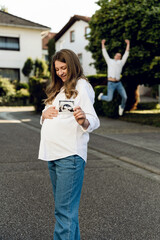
(78,161)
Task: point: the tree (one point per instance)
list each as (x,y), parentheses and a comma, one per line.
(40,68)
(28,67)
(51,51)
(136,20)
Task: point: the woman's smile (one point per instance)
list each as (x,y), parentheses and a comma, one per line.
(61,70)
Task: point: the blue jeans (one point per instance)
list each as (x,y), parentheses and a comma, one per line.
(67,178)
(112,86)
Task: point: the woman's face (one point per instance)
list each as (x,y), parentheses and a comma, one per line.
(61,70)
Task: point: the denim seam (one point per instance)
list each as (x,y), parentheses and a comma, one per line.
(69,207)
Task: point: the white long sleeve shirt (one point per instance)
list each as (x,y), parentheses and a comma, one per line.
(62,136)
(114,66)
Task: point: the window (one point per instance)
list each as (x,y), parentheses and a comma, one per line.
(80,58)
(87,31)
(11,74)
(45,57)
(72,36)
(9,43)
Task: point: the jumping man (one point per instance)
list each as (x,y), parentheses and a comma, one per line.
(114,72)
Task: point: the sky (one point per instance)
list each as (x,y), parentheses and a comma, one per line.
(51,13)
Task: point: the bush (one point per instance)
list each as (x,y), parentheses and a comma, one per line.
(103,108)
(19,85)
(37,92)
(28,66)
(7,91)
(22,97)
(97,80)
(22,93)
(98,104)
(148,106)
(6,87)
(40,68)
(12,97)
(110,109)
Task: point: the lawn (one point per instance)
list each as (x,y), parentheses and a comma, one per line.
(146,113)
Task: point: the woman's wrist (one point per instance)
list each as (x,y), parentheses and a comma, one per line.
(85,124)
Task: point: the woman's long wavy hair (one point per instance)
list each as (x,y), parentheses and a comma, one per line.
(74,73)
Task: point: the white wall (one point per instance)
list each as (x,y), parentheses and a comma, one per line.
(144,91)
(78,46)
(30,46)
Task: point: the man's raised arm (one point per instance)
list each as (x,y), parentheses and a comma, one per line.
(104,51)
(128,45)
(126,54)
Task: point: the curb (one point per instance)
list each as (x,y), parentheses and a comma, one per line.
(130,161)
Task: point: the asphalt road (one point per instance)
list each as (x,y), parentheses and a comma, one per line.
(120,201)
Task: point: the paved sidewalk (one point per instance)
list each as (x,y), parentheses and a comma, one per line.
(133,133)
(133,143)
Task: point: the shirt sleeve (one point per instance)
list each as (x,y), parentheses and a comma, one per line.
(105,55)
(124,58)
(87,95)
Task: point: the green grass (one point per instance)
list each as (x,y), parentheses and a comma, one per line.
(144,116)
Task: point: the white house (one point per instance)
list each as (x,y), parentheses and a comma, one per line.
(19,40)
(72,36)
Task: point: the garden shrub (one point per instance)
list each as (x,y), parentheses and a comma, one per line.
(7,91)
(37,92)
(22,97)
(97,80)
(19,85)
(40,68)
(103,108)
(10,96)
(110,109)
(98,104)
(28,66)
(148,106)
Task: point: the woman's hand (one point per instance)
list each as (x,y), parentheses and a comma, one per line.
(49,113)
(80,117)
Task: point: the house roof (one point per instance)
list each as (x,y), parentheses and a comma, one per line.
(7,19)
(70,23)
(46,38)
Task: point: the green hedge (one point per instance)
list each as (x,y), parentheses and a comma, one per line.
(103,108)
(98,79)
(12,96)
(98,104)
(37,92)
(22,85)
(148,106)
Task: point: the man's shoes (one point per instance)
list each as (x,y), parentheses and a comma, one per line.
(99,96)
(121,110)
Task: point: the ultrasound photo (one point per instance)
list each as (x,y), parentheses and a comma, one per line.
(66,106)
